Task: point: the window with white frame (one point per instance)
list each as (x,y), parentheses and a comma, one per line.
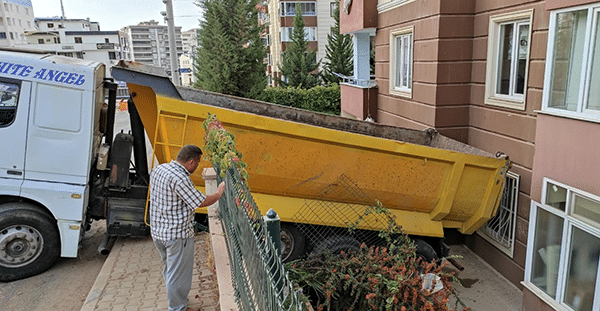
(573,66)
(266,40)
(500,230)
(563,250)
(401,61)
(307,8)
(310,34)
(508,59)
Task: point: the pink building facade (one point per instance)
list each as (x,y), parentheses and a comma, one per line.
(517,77)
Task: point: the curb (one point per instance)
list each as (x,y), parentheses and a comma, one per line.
(222,266)
(102,279)
(227,301)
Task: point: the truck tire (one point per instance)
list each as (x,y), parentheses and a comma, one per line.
(29,241)
(425,251)
(292,242)
(336,244)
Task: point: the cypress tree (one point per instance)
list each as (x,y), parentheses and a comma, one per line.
(230,53)
(297,64)
(338,51)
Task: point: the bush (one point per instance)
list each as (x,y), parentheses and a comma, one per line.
(375,278)
(325,99)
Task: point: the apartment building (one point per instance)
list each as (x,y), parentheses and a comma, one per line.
(67,24)
(279,16)
(189,40)
(16,18)
(80,38)
(186,70)
(149,44)
(514,77)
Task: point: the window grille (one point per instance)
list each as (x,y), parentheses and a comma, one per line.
(500,230)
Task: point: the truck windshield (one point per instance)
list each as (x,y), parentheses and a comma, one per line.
(9,97)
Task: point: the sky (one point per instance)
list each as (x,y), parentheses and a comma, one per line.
(116,14)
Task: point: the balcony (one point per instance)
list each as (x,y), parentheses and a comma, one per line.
(358,98)
(359,16)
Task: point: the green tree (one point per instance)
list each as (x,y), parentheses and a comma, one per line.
(230,53)
(298,64)
(339,52)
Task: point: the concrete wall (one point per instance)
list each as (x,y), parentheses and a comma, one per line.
(575,165)
(361,14)
(511,131)
(441,66)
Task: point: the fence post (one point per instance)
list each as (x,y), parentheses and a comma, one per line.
(272,222)
(210,185)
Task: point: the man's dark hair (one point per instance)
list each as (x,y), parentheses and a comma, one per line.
(189,152)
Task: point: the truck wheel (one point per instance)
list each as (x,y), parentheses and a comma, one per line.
(425,251)
(29,241)
(292,242)
(336,244)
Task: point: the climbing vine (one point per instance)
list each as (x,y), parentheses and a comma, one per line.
(219,147)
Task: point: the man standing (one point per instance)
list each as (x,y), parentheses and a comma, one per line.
(173,199)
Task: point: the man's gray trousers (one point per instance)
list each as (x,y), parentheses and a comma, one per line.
(178,260)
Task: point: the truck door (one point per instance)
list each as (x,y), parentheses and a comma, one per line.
(14,112)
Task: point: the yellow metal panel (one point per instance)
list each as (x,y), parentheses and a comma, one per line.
(287,209)
(289,163)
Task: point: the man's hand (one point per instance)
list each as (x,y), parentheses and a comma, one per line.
(212,198)
(221,188)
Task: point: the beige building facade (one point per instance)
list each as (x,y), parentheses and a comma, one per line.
(16,18)
(278,15)
(149,44)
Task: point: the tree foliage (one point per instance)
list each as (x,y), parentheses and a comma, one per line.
(298,64)
(230,53)
(339,52)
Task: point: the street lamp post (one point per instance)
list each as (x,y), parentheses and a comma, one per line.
(172,46)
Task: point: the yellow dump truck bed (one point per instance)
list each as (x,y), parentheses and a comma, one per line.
(428,181)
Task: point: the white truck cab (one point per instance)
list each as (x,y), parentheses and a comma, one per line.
(50,108)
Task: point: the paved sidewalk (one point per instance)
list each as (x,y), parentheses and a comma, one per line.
(131,278)
(481,287)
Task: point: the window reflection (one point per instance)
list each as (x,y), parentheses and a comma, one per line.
(546,260)
(583,269)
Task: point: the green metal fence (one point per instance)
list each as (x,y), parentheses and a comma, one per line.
(257,272)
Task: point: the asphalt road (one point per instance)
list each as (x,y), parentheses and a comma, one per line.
(65,285)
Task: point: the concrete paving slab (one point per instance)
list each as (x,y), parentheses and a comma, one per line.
(131,278)
(481,287)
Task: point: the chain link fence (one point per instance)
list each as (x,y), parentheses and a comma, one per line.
(332,206)
(258,275)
